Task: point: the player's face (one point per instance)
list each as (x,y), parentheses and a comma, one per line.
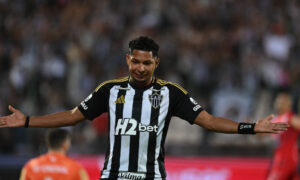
(283,103)
(141,66)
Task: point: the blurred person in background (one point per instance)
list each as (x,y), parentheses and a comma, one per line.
(54,165)
(140,107)
(285,161)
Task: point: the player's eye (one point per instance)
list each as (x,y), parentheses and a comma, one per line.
(147,63)
(134,61)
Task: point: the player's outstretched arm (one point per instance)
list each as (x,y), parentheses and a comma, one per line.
(65,118)
(224,125)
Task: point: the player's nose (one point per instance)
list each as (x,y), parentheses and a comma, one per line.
(141,68)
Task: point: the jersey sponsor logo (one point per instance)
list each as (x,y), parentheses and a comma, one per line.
(84,106)
(155,99)
(131,175)
(130,127)
(197,106)
(88,98)
(120,100)
(193,101)
(50,169)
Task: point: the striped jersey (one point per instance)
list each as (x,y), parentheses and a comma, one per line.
(138,124)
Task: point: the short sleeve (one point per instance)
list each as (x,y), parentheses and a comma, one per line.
(95,104)
(184,106)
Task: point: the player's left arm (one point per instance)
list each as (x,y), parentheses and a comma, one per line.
(23,175)
(219,124)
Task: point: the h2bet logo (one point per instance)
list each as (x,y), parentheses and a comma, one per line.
(129,127)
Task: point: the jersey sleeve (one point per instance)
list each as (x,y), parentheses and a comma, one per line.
(95,104)
(183,105)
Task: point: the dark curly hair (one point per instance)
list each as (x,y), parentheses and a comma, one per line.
(144,43)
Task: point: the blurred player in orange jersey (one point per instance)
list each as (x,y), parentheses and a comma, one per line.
(54,165)
(285,161)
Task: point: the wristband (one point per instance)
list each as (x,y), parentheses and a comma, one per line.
(246,128)
(27,122)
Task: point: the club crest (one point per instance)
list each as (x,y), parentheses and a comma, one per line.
(155,99)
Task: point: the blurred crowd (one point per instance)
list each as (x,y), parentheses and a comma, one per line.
(231,55)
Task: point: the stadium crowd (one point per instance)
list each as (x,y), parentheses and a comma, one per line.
(231,55)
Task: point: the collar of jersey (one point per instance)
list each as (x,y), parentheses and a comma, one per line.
(145,87)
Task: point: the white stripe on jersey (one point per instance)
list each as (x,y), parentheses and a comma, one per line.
(144,136)
(163,111)
(125,141)
(112,109)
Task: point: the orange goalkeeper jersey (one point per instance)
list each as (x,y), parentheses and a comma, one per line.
(53,166)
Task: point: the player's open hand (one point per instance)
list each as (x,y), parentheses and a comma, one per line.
(266,126)
(16,119)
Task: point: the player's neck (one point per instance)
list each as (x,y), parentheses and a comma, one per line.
(59,151)
(140,84)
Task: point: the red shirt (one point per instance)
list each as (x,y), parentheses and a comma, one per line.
(288,140)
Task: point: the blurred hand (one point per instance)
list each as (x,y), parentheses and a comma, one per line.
(16,119)
(266,126)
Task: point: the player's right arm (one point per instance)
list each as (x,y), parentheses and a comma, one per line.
(65,118)
(94,105)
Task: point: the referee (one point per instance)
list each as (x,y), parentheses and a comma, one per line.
(140,107)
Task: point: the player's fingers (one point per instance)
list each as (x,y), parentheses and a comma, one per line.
(276,132)
(280,129)
(2,122)
(12,109)
(281,124)
(270,117)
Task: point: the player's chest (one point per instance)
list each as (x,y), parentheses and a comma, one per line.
(129,99)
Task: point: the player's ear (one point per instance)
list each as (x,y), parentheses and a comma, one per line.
(128,59)
(157,60)
(66,145)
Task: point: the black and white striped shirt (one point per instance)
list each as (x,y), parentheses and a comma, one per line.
(138,124)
